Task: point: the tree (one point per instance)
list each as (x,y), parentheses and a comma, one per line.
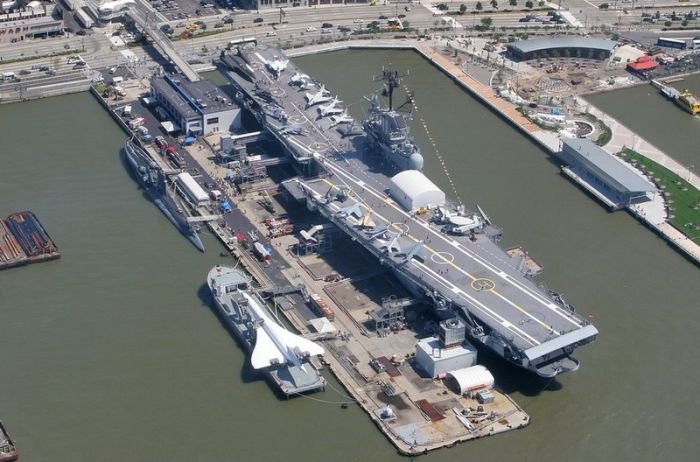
(529,4)
(486,22)
(479,6)
(513,2)
(462,8)
(494,4)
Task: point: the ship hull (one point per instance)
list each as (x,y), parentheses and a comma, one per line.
(289,380)
(160,196)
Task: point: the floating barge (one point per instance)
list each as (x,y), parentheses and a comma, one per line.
(23,240)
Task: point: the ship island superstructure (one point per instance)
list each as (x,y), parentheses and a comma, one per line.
(449,257)
(281,355)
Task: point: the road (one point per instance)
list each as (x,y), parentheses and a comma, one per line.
(304,25)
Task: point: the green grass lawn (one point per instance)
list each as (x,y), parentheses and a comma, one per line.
(682,198)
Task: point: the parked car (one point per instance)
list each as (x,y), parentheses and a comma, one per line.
(326,25)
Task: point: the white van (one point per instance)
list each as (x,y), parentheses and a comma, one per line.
(8,76)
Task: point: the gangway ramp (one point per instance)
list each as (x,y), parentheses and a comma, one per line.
(202,218)
(145,18)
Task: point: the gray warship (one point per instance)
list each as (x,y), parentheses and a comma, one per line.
(153,181)
(281,355)
(388,130)
(443,254)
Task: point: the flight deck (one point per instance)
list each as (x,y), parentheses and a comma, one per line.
(468,274)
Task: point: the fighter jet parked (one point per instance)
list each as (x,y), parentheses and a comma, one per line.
(342,118)
(322,96)
(331,108)
(276,66)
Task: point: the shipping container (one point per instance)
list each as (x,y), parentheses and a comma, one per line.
(321,307)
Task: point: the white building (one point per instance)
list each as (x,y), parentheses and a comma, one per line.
(413,191)
(198,108)
(436,360)
(110,10)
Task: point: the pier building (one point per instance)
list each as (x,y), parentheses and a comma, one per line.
(34,21)
(608,178)
(554,47)
(196,107)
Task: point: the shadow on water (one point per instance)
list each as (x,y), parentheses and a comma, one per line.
(513,379)
(247,375)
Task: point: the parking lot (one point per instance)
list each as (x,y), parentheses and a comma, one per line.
(186,9)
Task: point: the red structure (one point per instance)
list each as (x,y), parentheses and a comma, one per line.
(641,64)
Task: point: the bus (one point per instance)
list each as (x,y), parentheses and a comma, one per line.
(83,18)
(672,43)
(241,42)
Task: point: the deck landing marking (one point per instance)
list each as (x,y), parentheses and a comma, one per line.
(442,258)
(483,284)
(401,228)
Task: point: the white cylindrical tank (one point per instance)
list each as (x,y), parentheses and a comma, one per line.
(470,380)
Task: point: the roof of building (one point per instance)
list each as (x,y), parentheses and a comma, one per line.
(613,170)
(432,346)
(643,63)
(472,377)
(528,46)
(414,184)
(191,98)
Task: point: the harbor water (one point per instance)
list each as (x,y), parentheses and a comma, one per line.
(114,352)
(642,108)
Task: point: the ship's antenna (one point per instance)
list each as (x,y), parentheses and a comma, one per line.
(392,80)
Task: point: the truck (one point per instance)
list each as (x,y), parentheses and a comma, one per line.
(321,307)
(137,122)
(261,252)
(9,76)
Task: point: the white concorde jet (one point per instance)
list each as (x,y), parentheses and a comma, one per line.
(275,345)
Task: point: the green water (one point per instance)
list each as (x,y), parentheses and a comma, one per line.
(113,353)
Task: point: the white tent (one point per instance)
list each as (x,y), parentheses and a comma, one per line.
(471,379)
(413,191)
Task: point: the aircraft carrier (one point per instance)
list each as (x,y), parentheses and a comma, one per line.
(463,273)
